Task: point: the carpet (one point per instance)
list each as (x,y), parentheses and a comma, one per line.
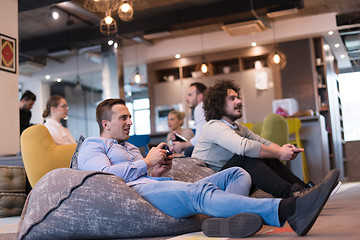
(338,220)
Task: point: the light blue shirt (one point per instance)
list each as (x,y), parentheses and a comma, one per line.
(121,159)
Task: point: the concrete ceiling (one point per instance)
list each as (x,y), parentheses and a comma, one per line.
(40,36)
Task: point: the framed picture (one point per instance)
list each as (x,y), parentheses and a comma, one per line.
(8,53)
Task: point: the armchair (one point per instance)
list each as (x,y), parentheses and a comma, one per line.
(41,154)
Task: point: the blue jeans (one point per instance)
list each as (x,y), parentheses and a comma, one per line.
(222,194)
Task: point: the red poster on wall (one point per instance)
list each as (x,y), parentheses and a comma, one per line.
(8,53)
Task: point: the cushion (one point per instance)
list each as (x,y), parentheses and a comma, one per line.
(74,204)
(188,170)
(12,179)
(74,159)
(11,204)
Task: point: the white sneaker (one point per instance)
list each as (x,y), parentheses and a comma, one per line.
(335,189)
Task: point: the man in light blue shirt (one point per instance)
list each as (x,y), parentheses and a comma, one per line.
(223,195)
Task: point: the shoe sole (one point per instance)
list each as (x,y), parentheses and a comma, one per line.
(238,226)
(335,189)
(302,227)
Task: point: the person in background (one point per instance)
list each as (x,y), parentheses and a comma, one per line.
(194,98)
(175,121)
(223,195)
(26,103)
(57,109)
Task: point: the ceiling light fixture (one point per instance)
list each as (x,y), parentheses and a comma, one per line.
(177,56)
(137,77)
(126,10)
(276,58)
(108,25)
(330,33)
(78,87)
(336,45)
(253,44)
(205,66)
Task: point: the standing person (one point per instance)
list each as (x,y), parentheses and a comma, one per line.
(57,109)
(26,103)
(175,122)
(224,144)
(223,195)
(194,98)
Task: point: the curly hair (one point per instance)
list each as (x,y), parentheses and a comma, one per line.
(214,98)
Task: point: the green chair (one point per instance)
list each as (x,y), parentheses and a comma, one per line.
(256,128)
(275,129)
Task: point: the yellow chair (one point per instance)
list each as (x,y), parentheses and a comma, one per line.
(294,128)
(41,154)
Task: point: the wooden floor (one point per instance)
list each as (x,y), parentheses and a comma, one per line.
(340,219)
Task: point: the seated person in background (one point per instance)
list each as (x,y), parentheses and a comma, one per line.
(57,109)
(224,144)
(175,121)
(221,195)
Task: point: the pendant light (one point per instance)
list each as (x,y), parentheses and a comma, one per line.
(276,58)
(126,10)
(205,67)
(78,87)
(137,77)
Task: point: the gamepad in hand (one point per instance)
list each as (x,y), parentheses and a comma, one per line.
(168,152)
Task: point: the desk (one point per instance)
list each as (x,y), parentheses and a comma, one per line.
(315,138)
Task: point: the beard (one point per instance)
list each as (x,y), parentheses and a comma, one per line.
(233,116)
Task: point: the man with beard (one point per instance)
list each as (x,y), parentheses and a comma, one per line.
(225,144)
(26,103)
(194,99)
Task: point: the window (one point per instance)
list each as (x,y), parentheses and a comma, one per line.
(140,110)
(349,84)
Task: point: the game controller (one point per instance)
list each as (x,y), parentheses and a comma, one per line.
(168,152)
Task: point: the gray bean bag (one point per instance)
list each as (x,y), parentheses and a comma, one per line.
(74,204)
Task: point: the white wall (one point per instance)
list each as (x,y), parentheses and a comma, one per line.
(9,122)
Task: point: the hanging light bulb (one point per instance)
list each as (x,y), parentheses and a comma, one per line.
(204,68)
(126,11)
(137,76)
(276,59)
(108,20)
(108,25)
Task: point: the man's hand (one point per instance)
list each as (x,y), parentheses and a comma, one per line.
(156,155)
(289,152)
(180,146)
(162,167)
(286,152)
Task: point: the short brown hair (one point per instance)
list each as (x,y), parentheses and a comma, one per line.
(103,110)
(214,98)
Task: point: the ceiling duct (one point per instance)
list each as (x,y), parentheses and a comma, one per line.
(244,28)
(28,68)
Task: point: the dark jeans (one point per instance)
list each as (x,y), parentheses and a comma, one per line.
(270,175)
